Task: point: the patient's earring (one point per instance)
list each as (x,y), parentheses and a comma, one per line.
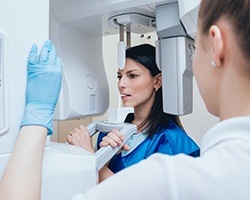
(213,63)
(156,89)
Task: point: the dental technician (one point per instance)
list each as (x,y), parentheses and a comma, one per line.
(222,71)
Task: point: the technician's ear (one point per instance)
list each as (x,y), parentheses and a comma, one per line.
(158,81)
(218,48)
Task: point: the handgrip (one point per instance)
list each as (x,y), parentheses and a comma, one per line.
(104,154)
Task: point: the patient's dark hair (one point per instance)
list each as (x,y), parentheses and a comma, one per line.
(157,120)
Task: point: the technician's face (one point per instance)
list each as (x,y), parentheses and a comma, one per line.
(136,85)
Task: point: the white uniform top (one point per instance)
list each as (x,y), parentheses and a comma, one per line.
(222,172)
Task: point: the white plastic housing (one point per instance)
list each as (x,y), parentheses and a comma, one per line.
(176,25)
(4,104)
(84,90)
(177,75)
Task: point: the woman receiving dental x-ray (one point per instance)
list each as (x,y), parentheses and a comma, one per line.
(140,84)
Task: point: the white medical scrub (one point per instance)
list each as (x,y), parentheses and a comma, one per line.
(222,172)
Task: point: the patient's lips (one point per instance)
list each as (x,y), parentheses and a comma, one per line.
(125,96)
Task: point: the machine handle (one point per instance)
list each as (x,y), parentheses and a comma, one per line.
(104,154)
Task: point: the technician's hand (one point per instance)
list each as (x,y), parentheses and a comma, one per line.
(80,137)
(114,139)
(43,86)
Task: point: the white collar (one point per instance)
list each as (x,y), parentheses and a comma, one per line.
(234,128)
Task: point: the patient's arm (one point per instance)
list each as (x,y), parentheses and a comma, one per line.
(113,138)
(104,173)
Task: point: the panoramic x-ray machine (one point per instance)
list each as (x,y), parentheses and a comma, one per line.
(76,28)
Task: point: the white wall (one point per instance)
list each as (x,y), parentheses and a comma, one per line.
(196,124)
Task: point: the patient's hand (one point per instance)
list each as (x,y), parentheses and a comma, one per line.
(80,137)
(114,139)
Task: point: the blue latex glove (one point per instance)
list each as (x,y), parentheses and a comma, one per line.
(43,86)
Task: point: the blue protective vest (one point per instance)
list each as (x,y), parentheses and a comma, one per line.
(172,140)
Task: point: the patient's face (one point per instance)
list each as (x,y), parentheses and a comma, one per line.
(136,85)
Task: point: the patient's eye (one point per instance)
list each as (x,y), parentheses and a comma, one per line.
(119,76)
(133,76)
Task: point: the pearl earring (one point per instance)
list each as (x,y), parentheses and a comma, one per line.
(213,63)
(156,89)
